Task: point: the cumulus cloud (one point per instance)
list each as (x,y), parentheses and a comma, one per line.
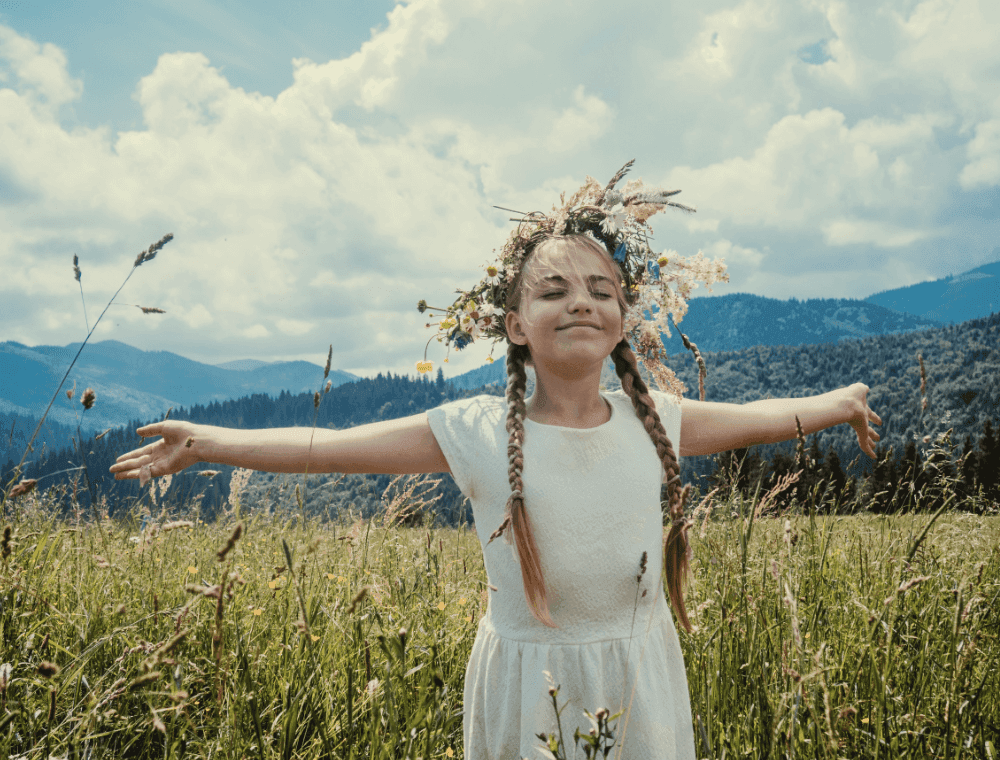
(322,214)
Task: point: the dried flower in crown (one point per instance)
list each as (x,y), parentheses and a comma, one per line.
(657,285)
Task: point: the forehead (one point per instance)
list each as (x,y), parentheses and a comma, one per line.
(567,260)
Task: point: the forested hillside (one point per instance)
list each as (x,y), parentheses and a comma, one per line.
(962,364)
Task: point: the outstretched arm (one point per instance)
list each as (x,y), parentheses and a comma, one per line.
(708,427)
(399,446)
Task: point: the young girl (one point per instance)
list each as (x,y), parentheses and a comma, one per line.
(573,471)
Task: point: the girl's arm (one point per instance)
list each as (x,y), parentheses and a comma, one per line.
(399,446)
(708,427)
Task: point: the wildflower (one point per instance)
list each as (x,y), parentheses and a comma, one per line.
(441,605)
(462,601)
(421,305)
(492,275)
(192,569)
(662,261)
(425,366)
(461,340)
(258,612)
(614,220)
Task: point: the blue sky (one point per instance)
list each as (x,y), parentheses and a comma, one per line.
(323,166)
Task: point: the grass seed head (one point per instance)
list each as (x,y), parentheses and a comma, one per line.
(231,542)
(27,485)
(48,669)
(89,397)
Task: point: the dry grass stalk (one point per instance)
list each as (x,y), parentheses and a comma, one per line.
(27,485)
(764,507)
(221,554)
(357,599)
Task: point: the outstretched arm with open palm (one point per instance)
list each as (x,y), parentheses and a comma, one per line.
(711,427)
(396,447)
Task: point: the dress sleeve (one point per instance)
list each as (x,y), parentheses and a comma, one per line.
(670,415)
(463,429)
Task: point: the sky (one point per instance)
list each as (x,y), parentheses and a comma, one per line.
(323,166)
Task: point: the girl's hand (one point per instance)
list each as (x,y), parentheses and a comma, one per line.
(170,454)
(860,416)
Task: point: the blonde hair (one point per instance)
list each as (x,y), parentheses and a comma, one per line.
(676,551)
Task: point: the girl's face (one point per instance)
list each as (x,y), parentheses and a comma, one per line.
(569,310)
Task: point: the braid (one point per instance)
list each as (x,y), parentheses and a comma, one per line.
(515,515)
(676,550)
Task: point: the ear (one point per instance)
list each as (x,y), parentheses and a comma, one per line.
(512,321)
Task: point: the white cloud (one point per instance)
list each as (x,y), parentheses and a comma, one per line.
(40,71)
(255,331)
(295,326)
(848,231)
(323,214)
(983,150)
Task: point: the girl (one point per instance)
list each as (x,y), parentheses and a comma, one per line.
(573,471)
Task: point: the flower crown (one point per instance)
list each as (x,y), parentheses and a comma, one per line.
(656,285)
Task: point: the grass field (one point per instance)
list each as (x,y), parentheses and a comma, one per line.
(817,637)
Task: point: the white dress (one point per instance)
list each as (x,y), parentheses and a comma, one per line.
(593,498)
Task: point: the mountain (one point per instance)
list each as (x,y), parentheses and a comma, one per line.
(969,295)
(134,384)
(742,320)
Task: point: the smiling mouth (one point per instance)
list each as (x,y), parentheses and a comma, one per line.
(580,324)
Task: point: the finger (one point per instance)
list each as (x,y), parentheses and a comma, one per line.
(874,417)
(151,429)
(134,453)
(134,463)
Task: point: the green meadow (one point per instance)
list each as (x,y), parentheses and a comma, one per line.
(273,636)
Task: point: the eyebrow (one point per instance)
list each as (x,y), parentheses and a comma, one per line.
(559,279)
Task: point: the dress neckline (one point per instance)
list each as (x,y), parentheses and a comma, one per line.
(611,408)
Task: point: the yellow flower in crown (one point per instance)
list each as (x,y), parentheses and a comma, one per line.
(616,218)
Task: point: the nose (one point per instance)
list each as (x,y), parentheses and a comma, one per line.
(580,301)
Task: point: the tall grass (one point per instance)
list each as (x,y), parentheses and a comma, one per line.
(815,637)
